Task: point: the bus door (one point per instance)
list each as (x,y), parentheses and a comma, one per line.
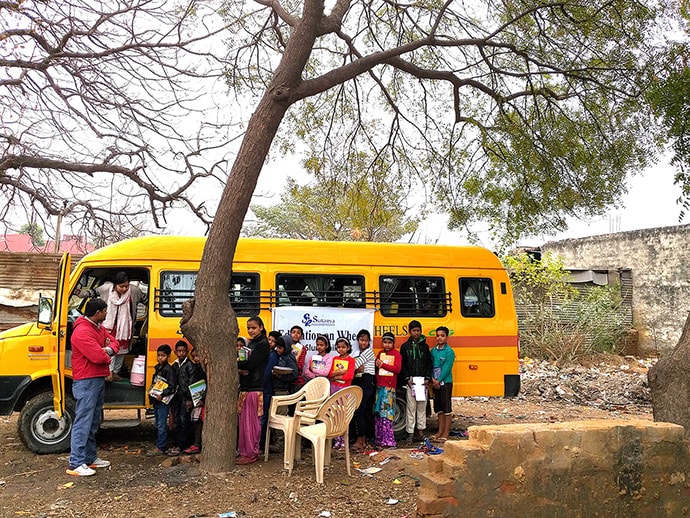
(60,332)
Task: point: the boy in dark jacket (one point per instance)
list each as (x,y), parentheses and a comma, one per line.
(164,377)
(186,375)
(416,363)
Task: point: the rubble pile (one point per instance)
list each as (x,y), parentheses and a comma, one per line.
(616,384)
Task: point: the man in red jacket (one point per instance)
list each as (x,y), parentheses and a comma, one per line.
(92,348)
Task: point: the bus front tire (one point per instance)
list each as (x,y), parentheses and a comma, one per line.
(39,428)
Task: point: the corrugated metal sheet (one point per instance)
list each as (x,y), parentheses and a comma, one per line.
(27,271)
(567,315)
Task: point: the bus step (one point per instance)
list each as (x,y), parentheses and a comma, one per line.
(120,423)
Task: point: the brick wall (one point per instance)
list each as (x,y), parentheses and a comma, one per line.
(660,268)
(576,469)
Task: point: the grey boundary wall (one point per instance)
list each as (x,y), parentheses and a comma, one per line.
(658,258)
(607,468)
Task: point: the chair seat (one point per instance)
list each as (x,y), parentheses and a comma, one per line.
(312,431)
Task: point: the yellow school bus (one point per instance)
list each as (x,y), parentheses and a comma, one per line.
(463,288)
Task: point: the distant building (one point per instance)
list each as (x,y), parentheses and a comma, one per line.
(75,245)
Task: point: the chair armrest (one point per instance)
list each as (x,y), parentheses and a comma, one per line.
(310,406)
(286,400)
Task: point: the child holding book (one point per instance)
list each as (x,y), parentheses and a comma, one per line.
(388,365)
(343,370)
(185,373)
(163,388)
(342,374)
(442,380)
(199,410)
(321,363)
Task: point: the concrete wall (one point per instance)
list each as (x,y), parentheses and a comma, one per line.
(578,469)
(660,267)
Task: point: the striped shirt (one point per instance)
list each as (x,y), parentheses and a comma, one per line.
(366,358)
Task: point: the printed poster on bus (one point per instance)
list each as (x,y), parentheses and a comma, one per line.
(332,322)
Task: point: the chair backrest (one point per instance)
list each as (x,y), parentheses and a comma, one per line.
(337,411)
(317,388)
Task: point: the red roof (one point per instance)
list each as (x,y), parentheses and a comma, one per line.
(22,243)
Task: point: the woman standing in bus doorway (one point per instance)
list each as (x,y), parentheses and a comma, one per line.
(122,299)
(365,370)
(250,401)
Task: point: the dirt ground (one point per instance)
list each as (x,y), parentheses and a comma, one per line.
(139,486)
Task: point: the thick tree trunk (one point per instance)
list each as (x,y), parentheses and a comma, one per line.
(669,381)
(212,325)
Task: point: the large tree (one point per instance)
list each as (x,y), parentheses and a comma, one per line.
(518,111)
(102,122)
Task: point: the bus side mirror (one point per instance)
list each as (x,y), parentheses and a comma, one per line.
(45,312)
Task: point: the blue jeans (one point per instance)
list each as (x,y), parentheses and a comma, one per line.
(88,394)
(160,411)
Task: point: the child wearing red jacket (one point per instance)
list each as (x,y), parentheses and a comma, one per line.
(388,365)
(342,374)
(343,369)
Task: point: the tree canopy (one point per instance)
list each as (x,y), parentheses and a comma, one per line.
(362,205)
(670,98)
(101,121)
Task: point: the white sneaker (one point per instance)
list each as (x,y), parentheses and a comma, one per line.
(99,463)
(81,471)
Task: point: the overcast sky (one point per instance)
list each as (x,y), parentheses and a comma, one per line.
(650,202)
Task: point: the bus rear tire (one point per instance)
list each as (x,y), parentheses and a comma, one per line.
(399,419)
(39,428)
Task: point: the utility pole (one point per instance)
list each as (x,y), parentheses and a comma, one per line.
(58,234)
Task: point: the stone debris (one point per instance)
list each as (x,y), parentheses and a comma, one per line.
(614,384)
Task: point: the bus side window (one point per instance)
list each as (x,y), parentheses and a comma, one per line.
(476,296)
(412,296)
(320,290)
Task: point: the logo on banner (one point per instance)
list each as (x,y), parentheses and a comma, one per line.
(308,320)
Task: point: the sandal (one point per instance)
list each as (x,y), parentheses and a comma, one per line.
(173,452)
(192,450)
(242,461)
(431,449)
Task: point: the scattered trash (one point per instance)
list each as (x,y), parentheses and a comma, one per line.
(66,486)
(392,501)
(369,471)
(385,461)
(417,455)
(325,514)
(229,514)
(396,480)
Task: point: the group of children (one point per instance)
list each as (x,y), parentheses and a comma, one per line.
(270,364)
(421,369)
(170,395)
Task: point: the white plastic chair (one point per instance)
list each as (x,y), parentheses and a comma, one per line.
(308,399)
(331,420)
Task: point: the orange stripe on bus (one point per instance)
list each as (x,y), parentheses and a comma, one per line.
(480,341)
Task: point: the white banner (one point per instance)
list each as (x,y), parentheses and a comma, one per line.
(332,322)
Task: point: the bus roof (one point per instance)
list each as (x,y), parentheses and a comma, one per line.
(251,250)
